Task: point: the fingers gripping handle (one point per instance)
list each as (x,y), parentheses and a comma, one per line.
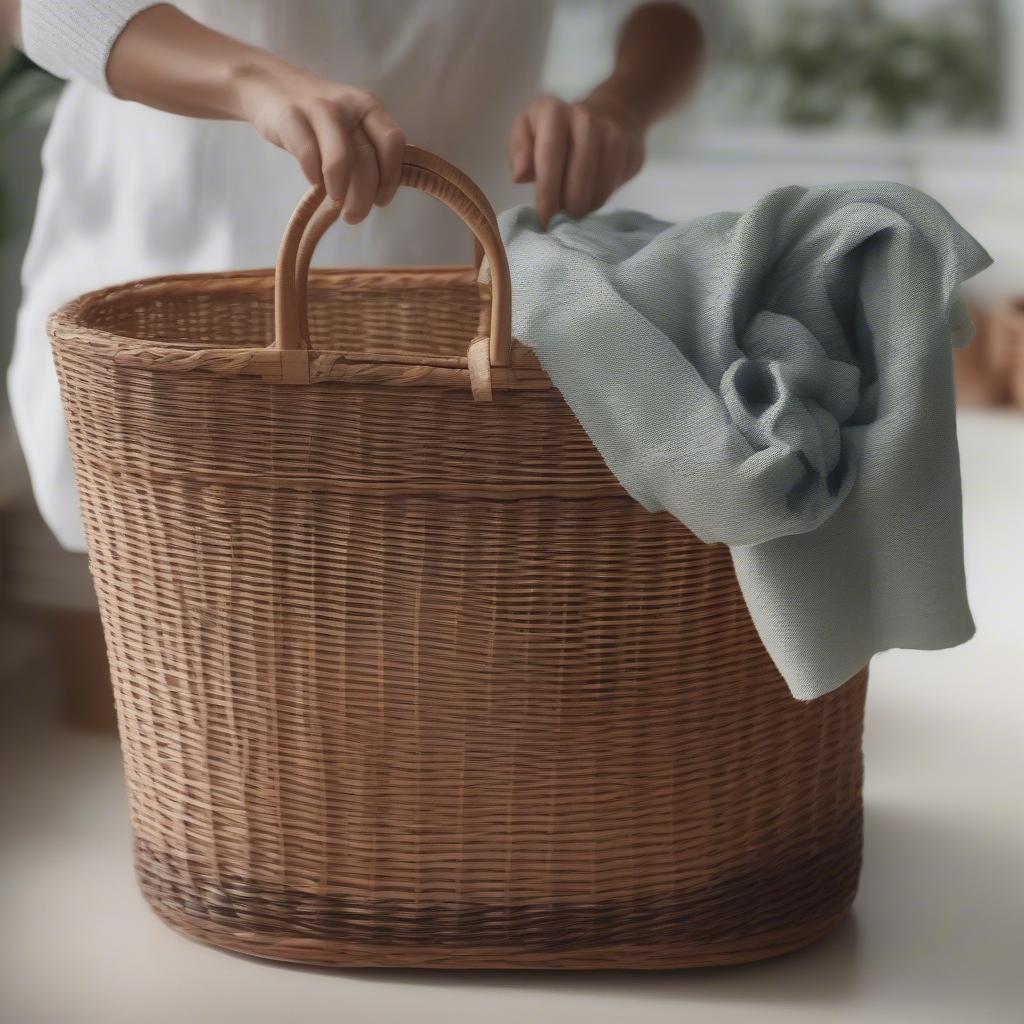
(422,171)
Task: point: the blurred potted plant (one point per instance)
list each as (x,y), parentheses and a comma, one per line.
(849,63)
(38,581)
(27,96)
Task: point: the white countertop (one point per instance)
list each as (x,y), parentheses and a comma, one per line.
(937,934)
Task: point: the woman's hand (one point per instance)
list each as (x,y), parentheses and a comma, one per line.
(339,134)
(578,154)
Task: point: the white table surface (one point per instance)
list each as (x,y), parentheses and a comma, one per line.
(937,934)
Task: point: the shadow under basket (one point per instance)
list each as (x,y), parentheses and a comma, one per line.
(403,676)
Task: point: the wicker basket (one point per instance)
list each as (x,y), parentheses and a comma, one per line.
(403,676)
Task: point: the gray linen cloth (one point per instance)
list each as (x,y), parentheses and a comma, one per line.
(781,381)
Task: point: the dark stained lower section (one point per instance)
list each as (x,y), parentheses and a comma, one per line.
(781,894)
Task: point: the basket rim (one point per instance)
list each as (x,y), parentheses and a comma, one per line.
(68,325)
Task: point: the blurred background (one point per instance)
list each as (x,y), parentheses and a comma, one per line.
(927,92)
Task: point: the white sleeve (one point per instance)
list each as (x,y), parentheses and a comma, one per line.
(72,38)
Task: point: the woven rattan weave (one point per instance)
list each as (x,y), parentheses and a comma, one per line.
(403,676)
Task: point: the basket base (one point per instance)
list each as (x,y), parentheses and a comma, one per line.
(663,956)
(751,915)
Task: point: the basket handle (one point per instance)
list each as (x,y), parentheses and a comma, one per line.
(420,170)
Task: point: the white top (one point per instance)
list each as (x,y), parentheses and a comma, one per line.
(130,192)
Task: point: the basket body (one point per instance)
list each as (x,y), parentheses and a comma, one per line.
(407,679)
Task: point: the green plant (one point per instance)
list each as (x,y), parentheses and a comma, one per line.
(820,65)
(24,89)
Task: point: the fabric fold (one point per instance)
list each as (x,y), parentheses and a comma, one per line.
(781,382)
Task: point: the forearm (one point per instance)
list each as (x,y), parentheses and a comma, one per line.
(167,60)
(339,134)
(658,61)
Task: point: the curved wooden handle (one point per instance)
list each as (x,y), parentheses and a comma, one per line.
(420,170)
